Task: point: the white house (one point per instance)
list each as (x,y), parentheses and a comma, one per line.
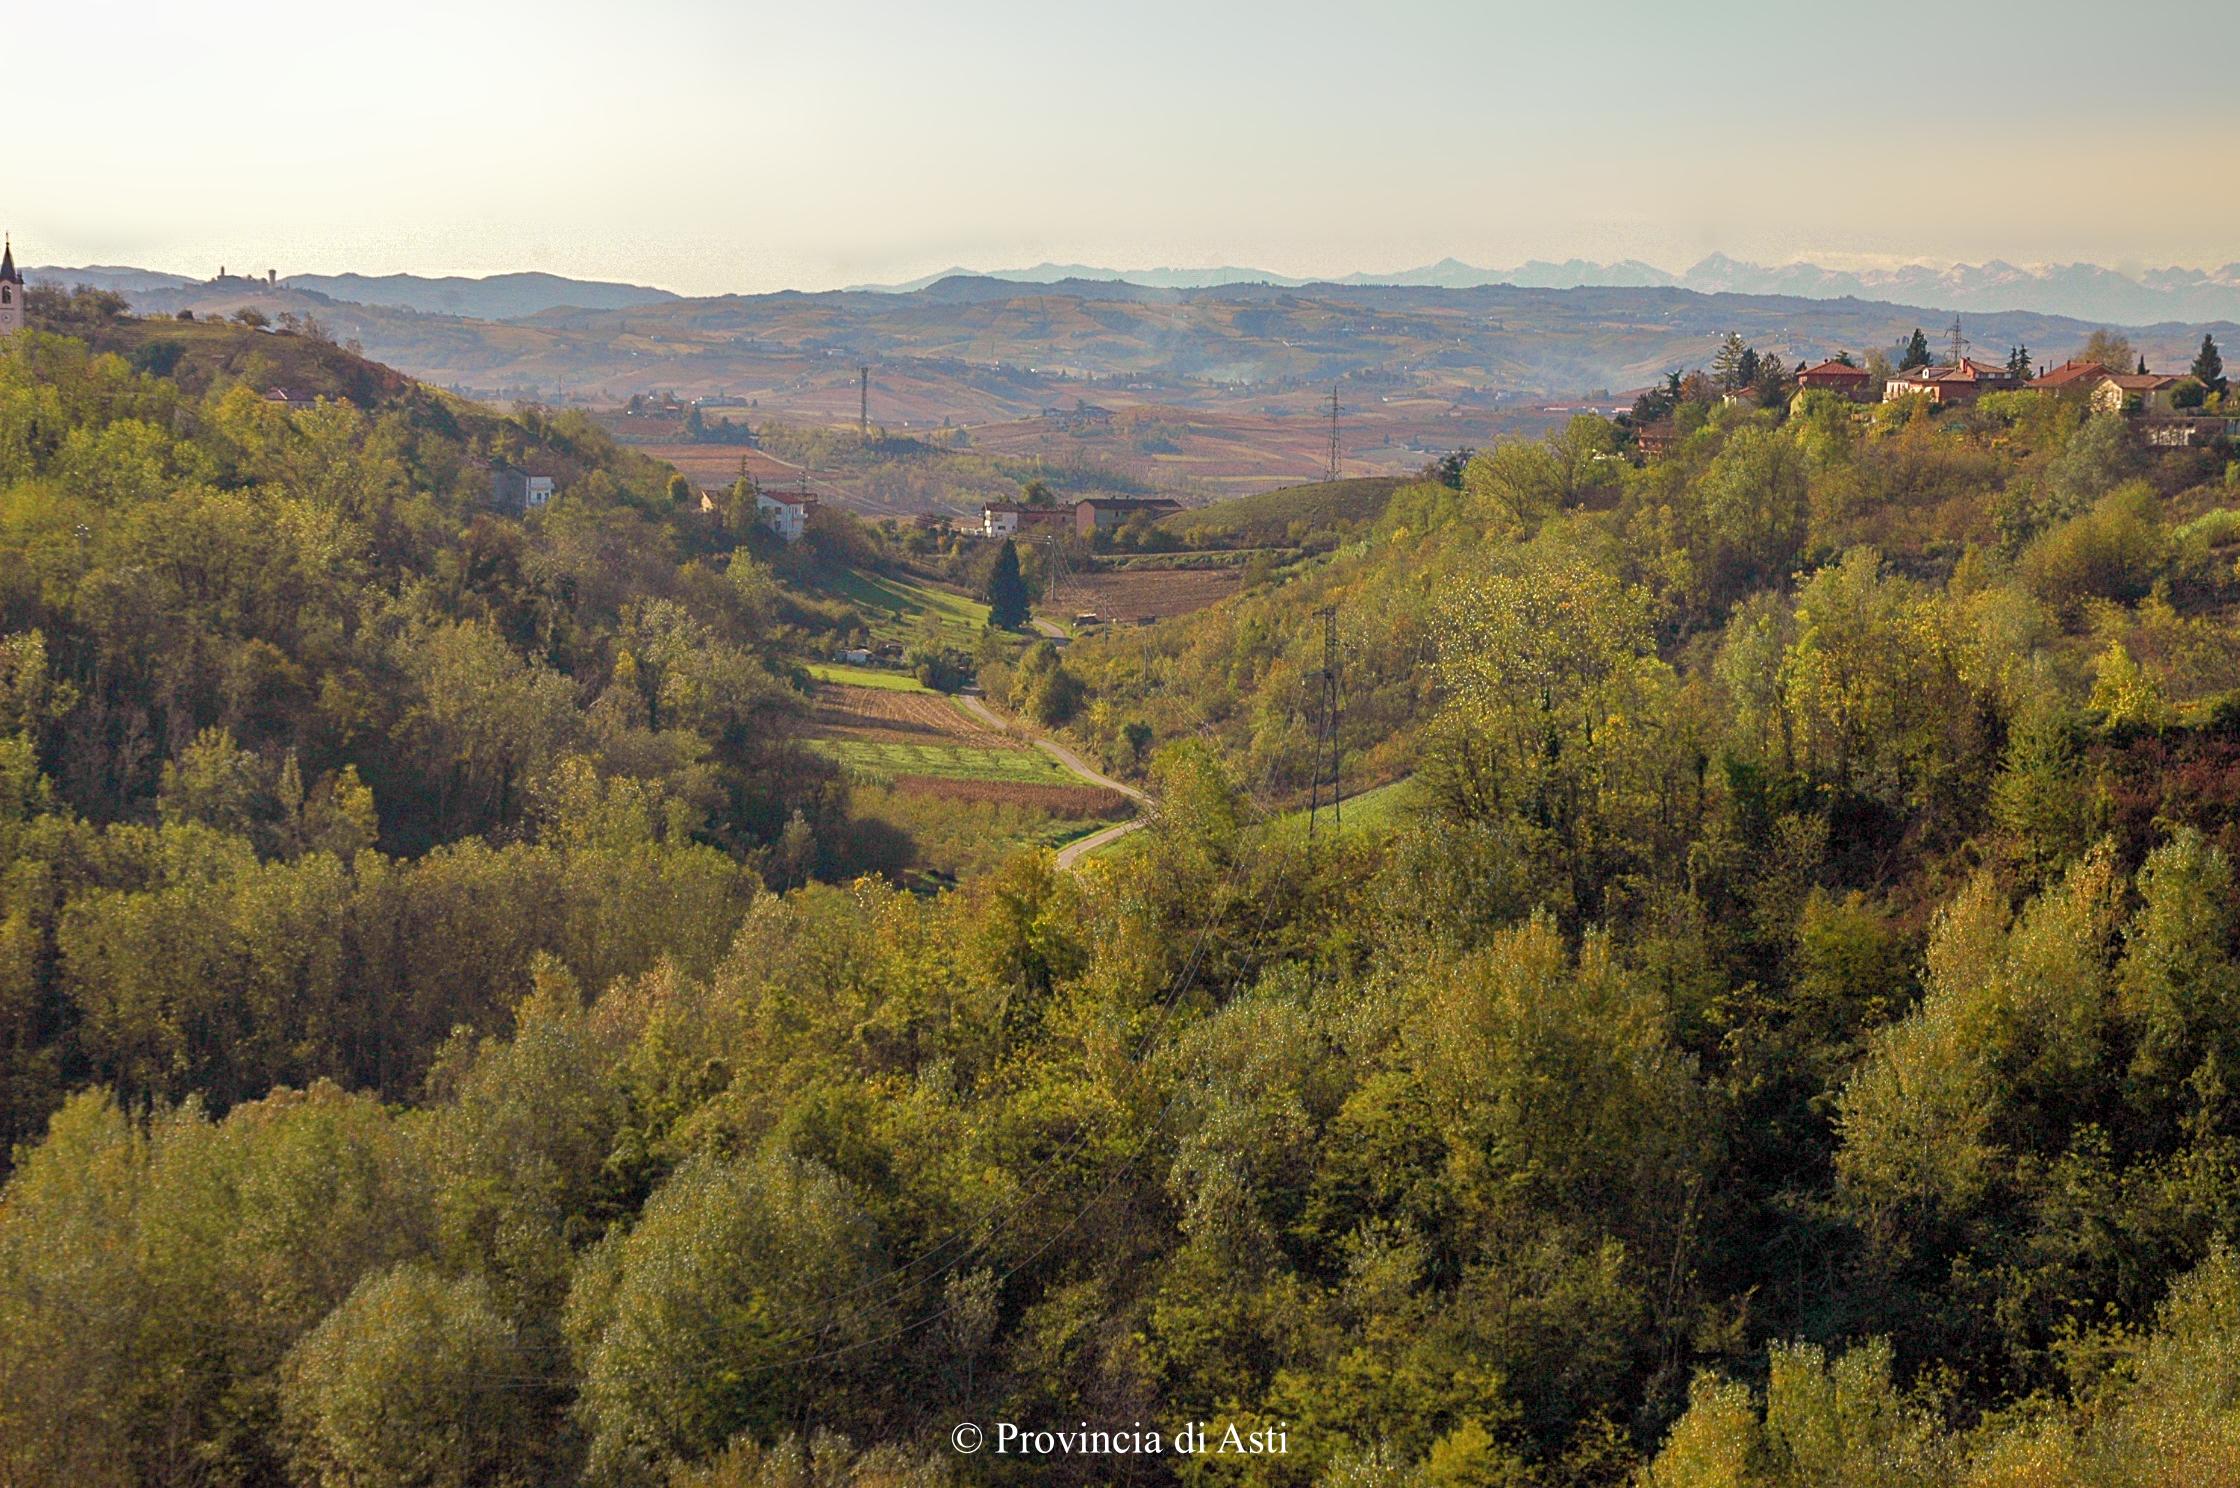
(515,489)
(1008,518)
(784,513)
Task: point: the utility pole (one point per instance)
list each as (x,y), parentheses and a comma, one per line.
(1330,471)
(863,401)
(1326,727)
(1053,571)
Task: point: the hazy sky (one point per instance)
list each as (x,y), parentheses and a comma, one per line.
(709,146)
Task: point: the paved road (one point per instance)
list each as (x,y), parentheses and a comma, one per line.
(1072,852)
(1048,629)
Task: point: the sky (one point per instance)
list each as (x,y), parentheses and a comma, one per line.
(712,146)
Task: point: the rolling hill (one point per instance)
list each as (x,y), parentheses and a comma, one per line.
(2086,290)
(1203,392)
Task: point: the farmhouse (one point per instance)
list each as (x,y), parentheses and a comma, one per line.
(1083,415)
(521,488)
(784,513)
(1961,382)
(1656,439)
(1009,519)
(1838,377)
(1103,513)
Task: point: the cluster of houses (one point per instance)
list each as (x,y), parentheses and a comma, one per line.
(2145,395)
(520,488)
(528,486)
(1966,380)
(783,512)
(1085,518)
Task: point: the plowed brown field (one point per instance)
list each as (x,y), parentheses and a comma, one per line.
(845,712)
(1135,594)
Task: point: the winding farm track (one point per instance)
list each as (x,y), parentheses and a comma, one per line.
(1072,852)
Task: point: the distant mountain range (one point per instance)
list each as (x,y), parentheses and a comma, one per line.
(2082,291)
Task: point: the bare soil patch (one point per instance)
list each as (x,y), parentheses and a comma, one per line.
(901,717)
(1136,594)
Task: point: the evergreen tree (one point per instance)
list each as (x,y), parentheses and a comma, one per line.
(2142,366)
(2208,367)
(1728,365)
(1917,352)
(1007,590)
(2018,364)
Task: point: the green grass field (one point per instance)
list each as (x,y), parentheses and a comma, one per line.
(854,676)
(898,609)
(1268,518)
(1376,811)
(881,761)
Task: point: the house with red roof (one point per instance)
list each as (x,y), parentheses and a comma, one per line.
(1839,377)
(2108,391)
(785,512)
(1961,382)
(2071,377)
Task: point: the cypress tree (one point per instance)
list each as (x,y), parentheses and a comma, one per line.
(1007,590)
(1917,352)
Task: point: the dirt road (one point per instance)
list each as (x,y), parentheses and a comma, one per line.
(1072,852)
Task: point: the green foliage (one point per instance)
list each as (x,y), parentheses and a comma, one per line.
(410,1383)
(687,1331)
(2113,552)
(1800,960)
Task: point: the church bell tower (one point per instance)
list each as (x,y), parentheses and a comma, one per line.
(11,292)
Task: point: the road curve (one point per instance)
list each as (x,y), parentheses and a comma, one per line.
(1072,852)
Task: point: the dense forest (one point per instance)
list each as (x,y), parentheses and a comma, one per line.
(447,1043)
